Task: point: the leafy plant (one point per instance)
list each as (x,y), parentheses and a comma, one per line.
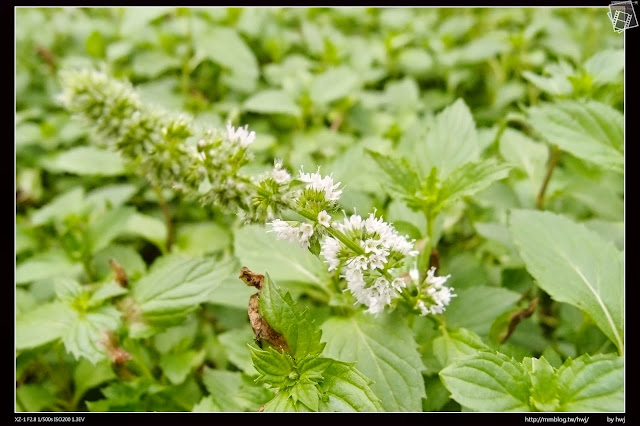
(431,202)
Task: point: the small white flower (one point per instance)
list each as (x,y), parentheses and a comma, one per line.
(241,135)
(436,281)
(296,234)
(318,183)
(279,174)
(324,219)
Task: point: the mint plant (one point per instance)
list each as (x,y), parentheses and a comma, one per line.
(426,220)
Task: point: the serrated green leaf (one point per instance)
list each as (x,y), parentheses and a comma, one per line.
(35,397)
(592,383)
(488,382)
(574,265)
(556,84)
(83,334)
(283,402)
(543,384)
(86,160)
(470,178)
(476,307)
(43,324)
(272,101)
(280,311)
(385,351)
(456,345)
(400,177)
(589,130)
(451,141)
(175,287)
(307,394)
(273,366)
(347,389)
(333,84)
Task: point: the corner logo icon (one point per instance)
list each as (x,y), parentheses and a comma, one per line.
(622,15)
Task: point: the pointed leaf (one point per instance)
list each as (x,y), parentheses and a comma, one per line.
(470,178)
(399,175)
(592,383)
(347,389)
(451,141)
(174,287)
(385,351)
(284,317)
(272,102)
(590,130)
(574,265)
(488,382)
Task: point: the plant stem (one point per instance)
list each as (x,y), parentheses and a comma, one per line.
(555,156)
(167,216)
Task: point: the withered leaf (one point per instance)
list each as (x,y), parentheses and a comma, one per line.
(260,326)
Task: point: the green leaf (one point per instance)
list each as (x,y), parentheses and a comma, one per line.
(307,394)
(198,239)
(456,345)
(451,141)
(286,264)
(174,287)
(346,389)
(35,397)
(488,382)
(63,205)
(87,376)
(105,228)
(385,351)
(592,383)
(280,311)
(126,256)
(223,386)
(148,227)
(95,45)
(176,366)
(111,196)
(333,84)
(556,83)
(235,345)
(86,160)
(526,154)
(470,178)
(589,130)
(476,307)
(105,292)
(273,366)
(400,177)
(272,101)
(283,402)
(606,66)
(51,264)
(41,325)
(83,334)
(543,384)
(225,47)
(574,265)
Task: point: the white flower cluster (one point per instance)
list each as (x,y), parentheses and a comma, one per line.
(293,233)
(382,249)
(321,184)
(241,135)
(437,294)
